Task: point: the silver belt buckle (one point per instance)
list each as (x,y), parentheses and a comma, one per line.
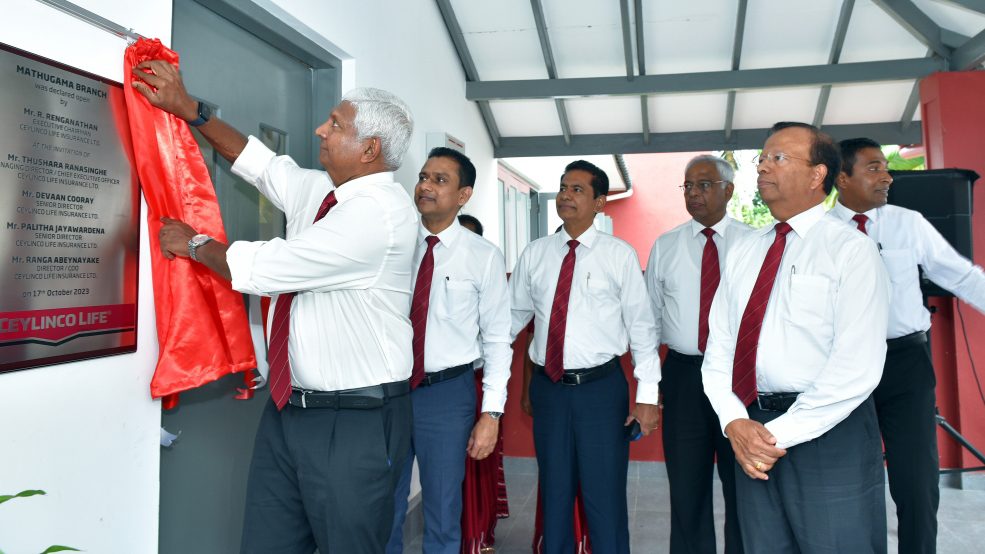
(304,403)
(760,404)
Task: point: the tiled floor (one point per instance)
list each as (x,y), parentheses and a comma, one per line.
(961,518)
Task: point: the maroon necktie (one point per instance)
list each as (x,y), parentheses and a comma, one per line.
(419,310)
(554,362)
(710,277)
(744,364)
(861,219)
(280,363)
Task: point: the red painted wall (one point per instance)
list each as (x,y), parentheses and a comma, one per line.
(954,136)
(656,206)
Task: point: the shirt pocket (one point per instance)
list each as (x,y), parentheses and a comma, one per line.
(601,294)
(809,300)
(901,265)
(461,299)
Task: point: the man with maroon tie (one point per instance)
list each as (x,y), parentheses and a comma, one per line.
(682,275)
(796,346)
(330,446)
(586,292)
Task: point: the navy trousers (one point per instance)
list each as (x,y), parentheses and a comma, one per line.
(905,403)
(692,439)
(825,496)
(444,414)
(580,441)
(324,478)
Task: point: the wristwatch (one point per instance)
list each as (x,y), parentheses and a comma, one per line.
(195,242)
(494,415)
(204,114)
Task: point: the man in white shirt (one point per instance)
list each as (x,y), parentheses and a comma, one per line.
(330,446)
(905,398)
(586,292)
(796,347)
(460,313)
(682,275)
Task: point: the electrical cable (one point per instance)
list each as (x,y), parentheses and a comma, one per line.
(967,345)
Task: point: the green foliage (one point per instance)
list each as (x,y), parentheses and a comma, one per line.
(756,215)
(35,492)
(899,163)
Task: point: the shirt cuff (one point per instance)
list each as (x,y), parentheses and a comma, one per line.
(493,401)
(784,430)
(239,258)
(731,412)
(647,393)
(253,160)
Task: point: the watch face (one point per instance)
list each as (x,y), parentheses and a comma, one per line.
(199,240)
(204,111)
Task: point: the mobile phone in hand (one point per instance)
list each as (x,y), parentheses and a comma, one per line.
(633,431)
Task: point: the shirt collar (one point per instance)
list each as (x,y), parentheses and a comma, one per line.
(803,222)
(719,227)
(446,237)
(846,214)
(587,238)
(350,188)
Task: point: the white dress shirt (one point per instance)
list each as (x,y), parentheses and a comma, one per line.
(608,308)
(824,331)
(906,240)
(469,309)
(352,270)
(673,279)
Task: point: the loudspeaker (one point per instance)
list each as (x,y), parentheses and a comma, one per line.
(944,197)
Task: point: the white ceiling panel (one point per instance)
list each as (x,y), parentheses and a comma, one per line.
(874,35)
(953,16)
(759,109)
(868,103)
(617,114)
(526,118)
(786,33)
(670,113)
(502,39)
(587,41)
(686,37)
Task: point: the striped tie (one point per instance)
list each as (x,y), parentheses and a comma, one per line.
(744,363)
(710,277)
(554,362)
(277,355)
(419,310)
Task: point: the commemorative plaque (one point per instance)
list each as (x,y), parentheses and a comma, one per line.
(69,204)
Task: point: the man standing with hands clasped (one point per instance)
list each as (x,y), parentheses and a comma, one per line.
(460,313)
(682,276)
(796,347)
(331,443)
(905,398)
(586,292)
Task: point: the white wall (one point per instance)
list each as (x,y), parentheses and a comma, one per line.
(402,46)
(86,432)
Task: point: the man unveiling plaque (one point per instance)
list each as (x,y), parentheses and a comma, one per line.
(69,204)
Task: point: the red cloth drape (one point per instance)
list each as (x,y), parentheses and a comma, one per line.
(202,327)
(483,492)
(582,544)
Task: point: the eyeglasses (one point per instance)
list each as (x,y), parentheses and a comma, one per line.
(778,159)
(703,186)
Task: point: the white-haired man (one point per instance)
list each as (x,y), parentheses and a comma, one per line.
(330,446)
(682,276)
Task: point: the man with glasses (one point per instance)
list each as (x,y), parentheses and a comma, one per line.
(682,276)
(796,347)
(905,398)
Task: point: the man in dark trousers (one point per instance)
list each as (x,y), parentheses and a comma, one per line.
(460,313)
(905,399)
(796,347)
(333,440)
(586,292)
(682,275)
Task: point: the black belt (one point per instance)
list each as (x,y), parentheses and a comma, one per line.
(445,374)
(776,401)
(913,339)
(587,375)
(363,398)
(685,358)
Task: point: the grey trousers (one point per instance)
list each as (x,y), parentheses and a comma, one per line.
(825,496)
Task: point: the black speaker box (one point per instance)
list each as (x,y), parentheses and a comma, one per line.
(944,197)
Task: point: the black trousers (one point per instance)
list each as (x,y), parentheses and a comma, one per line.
(825,496)
(905,402)
(692,438)
(325,478)
(580,441)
